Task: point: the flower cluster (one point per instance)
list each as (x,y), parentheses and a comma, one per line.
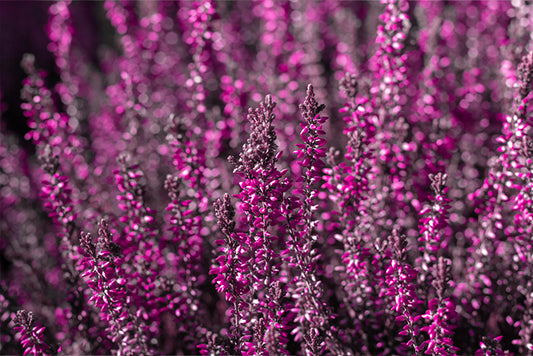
(432,239)
(102,271)
(268,177)
(261,196)
(440,311)
(400,278)
(312,315)
(32,338)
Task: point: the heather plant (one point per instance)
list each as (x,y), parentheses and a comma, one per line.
(271,177)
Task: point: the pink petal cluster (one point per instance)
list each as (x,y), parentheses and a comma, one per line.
(266,177)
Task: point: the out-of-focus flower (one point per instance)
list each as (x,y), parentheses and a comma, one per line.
(433,242)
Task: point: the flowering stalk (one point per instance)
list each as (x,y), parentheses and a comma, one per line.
(310,155)
(185,259)
(524,219)
(56,194)
(261,196)
(235,89)
(200,37)
(400,278)
(354,182)
(139,218)
(53,128)
(386,111)
(275,46)
(274,324)
(312,314)
(48,127)
(432,241)
(43,119)
(60,32)
(390,72)
(505,178)
(278,67)
(189,161)
(348,184)
(143,259)
(71,67)
(32,335)
(523,205)
(431,119)
(308,31)
(440,311)
(102,271)
(230,270)
(52,135)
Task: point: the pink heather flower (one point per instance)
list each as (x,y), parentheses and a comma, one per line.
(400,280)
(58,195)
(381,113)
(275,336)
(348,181)
(60,32)
(348,186)
(433,123)
(103,272)
(72,87)
(49,126)
(59,246)
(32,334)
(496,196)
(200,147)
(440,311)
(143,259)
(199,38)
(348,58)
(522,244)
(523,218)
(46,124)
(389,67)
(275,46)
(235,98)
(309,29)
(313,317)
(138,218)
(52,133)
(185,261)
(489,346)
(433,241)
(391,37)
(226,281)
(189,160)
(261,196)
(230,271)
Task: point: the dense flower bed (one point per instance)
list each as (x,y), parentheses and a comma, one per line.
(274,177)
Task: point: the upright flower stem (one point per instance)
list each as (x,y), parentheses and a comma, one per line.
(400,279)
(313,315)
